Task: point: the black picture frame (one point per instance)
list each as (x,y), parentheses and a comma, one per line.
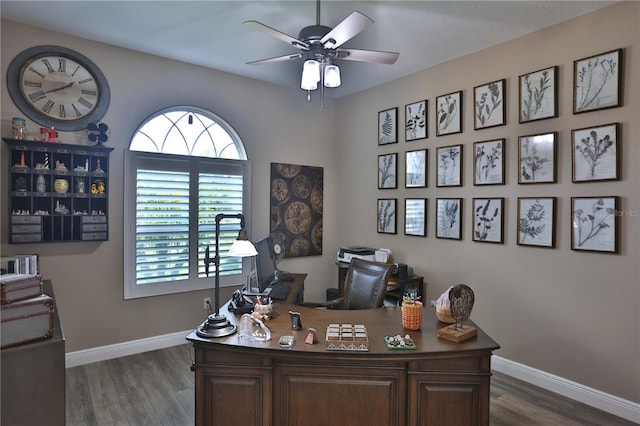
(595,224)
(415,217)
(538,95)
(388,126)
(597,82)
(449,218)
(387,217)
(595,153)
(388,171)
(489,101)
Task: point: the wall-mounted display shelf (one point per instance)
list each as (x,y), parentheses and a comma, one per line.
(57,192)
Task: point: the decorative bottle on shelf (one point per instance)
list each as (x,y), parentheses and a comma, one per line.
(41,185)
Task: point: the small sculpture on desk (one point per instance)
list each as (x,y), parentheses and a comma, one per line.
(296,322)
(461,300)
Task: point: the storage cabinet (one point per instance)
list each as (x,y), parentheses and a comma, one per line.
(57,192)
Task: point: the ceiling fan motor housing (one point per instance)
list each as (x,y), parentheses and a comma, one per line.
(313,33)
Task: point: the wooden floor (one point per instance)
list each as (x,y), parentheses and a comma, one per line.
(157,388)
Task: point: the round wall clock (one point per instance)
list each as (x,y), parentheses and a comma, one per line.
(58,87)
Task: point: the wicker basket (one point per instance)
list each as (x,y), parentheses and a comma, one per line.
(443,313)
(412,315)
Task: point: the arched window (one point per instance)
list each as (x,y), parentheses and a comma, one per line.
(185,166)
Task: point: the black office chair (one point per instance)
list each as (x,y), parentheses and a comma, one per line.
(365,285)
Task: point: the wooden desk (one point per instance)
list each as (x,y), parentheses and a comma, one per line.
(241,382)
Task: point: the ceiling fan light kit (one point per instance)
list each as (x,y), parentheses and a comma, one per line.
(310,75)
(321,45)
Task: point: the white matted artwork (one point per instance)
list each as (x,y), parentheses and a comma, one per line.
(415,117)
(597,82)
(387,171)
(488,220)
(538,95)
(388,126)
(489,103)
(536,221)
(595,153)
(449,114)
(416,168)
(415,216)
(594,223)
(449,165)
(537,158)
(488,164)
(387,218)
(449,218)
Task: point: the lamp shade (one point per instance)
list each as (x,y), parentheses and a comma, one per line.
(332,76)
(242,248)
(310,75)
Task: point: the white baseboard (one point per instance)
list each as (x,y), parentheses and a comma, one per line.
(611,404)
(603,401)
(103,353)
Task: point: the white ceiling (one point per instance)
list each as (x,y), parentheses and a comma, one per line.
(211,34)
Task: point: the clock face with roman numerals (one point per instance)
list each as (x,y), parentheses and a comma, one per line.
(58,87)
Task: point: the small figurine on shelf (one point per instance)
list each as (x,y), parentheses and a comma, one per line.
(98,167)
(51,135)
(94,189)
(80,185)
(61,167)
(101,188)
(45,165)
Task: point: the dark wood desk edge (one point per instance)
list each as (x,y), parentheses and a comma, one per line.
(426,338)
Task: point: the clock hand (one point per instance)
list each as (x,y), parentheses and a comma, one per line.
(60,88)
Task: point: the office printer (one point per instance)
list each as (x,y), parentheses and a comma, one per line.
(345,254)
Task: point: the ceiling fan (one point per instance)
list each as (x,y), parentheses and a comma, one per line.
(320,46)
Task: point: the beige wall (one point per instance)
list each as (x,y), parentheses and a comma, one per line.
(276,125)
(573,314)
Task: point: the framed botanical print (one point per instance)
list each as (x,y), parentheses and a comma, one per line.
(488,162)
(537,158)
(595,153)
(536,221)
(594,224)
(449,114)
(416,168)
(449,218)
(538,95)
(388,126)
(597,82)
(387,215)
(387,171)
(489,105)
(415,216)
(488,220)
(449,165)
(415,121)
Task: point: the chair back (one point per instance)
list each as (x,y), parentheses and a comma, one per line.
(365,284)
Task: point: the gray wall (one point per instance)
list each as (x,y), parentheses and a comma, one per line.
(572,314)
(275,124)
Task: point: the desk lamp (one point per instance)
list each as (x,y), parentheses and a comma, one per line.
(217,325)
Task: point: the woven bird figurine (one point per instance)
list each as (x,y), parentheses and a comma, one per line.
(461,300)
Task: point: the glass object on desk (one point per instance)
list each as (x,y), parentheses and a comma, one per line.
(253,329)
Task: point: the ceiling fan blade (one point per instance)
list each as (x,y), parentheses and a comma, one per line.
(374,56)
(277,59)
(277,34)
(345,30)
